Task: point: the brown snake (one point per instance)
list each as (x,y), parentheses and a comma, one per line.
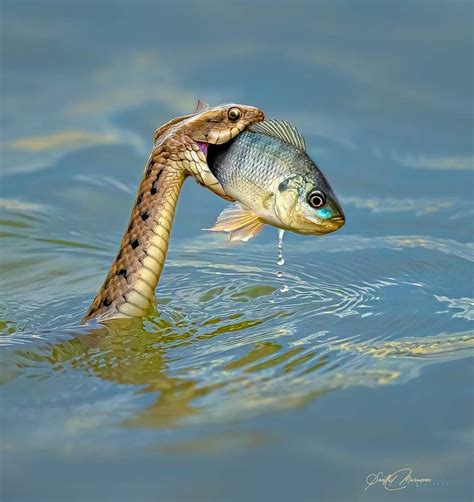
(179,151)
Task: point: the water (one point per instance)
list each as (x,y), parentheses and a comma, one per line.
(234,389)
(280,260)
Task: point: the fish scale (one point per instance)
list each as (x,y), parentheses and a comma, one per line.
(256,168)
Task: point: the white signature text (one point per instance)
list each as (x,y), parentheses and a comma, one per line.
(398,480)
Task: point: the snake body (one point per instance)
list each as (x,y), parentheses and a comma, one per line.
(179,151)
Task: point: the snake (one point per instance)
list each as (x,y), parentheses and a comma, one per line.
(179,151)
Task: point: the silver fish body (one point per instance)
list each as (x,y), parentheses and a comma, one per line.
(272,176)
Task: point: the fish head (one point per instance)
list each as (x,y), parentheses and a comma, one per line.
(306,204)
(222,123)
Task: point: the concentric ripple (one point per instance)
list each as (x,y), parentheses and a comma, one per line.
(225,340)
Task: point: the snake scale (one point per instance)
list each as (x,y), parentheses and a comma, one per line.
(179,151)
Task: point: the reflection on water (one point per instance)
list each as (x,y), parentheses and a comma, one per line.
(222,384)
(227,342)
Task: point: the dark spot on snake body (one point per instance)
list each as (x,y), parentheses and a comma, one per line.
(144,216)
(119,255)
(130,226)
(153,188)
(106,302)
(123,272)
(134,244)
(139,198)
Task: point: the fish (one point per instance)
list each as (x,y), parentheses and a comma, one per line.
(272,180)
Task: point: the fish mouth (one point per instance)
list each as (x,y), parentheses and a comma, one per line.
(331,225)
(322,228)
(338,220)
(334,224)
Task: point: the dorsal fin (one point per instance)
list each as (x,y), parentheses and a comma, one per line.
(281,129)
(201,106)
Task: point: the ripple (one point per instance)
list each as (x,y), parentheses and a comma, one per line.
(465,305)
(226,342)
(337,292)
(226,339)
(433,347)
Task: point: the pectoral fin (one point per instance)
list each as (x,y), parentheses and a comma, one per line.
(246,233)
(241,223)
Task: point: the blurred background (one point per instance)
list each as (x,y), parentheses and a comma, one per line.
(236,389)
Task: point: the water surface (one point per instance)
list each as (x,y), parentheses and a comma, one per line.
(243,385)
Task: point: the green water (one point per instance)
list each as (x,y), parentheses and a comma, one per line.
(234,389)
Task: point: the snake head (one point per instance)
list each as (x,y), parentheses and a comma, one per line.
(222,123)
(206,126)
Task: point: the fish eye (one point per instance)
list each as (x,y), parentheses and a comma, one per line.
(316,199)
(234,114)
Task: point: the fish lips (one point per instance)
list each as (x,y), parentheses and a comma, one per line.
(335,223)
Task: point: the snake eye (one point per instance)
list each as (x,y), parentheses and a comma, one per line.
(316,199)
(234,114)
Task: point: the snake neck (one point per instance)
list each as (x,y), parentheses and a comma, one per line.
(129,288)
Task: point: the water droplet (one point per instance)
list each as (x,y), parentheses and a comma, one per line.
(280,259)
